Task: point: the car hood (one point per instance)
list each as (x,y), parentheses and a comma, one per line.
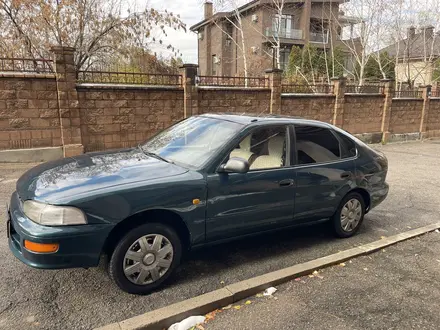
(63,179)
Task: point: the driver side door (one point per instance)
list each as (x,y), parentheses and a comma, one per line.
(261,199)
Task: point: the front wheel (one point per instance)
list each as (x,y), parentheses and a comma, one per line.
(145,257)
(349,215)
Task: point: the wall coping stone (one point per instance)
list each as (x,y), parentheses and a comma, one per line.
(27,75)
(127,87)
(365,94)
(300,95)
(226,88)
(407,99)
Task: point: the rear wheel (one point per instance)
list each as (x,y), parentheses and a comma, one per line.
(145,258)
(349,215)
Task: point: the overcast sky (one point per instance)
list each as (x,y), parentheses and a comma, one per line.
(191,12)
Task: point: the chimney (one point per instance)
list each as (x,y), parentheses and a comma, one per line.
(428,32)
(209,9)
(411,32)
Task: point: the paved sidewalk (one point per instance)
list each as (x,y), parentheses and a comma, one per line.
(397,288)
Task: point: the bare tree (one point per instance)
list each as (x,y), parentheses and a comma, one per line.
(363,38)
(96,28)
(236,20)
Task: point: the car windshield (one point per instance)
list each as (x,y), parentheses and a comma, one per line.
(193,141)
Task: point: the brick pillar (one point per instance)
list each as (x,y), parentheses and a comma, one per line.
(68,100)
(425,110)
(274,77)
(190,91)
(339,92)
(388,86)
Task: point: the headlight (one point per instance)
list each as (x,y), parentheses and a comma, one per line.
(51,215)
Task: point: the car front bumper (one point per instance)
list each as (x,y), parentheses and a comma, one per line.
(79,246)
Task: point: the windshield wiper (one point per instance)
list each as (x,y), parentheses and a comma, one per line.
(152,154)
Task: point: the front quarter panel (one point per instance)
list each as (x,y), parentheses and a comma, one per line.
(174,194)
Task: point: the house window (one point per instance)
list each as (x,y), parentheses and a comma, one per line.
(284,58)
(214,65)
(282,25)
(319,31)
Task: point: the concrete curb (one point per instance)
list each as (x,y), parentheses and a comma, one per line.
(200,305)
(34,155)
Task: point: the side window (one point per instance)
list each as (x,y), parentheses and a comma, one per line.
(316,145)
(264,148)
(348,146)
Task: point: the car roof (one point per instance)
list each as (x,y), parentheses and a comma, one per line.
(255,119)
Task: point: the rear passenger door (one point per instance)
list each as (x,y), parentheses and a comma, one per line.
(325,170)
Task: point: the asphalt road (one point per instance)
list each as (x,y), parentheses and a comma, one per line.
(396,288)
(82,299)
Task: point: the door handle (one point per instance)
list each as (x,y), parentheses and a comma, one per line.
(287,183)
(346,175)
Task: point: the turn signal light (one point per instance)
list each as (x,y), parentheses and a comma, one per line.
(41,247)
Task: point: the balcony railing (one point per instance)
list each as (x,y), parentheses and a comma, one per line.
(284,33)
(319,37)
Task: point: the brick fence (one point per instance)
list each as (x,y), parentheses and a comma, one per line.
(57,110)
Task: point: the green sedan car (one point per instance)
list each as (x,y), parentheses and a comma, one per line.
(206,180)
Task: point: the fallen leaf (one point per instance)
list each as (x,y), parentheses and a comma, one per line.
(437,231)
(222,282)
(383,250)
(320,277)
(382,237)
(315,272)
(227,307)
(311,276)
(409,227)
(237,307)
(200,327)
(350,262)
(248,302)
(342,264)
(298,279)
(365,268)
(259,295)
(211,316)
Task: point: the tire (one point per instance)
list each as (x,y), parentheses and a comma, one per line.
(155,252)
(349,216)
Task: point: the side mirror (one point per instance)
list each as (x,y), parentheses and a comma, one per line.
(235,165)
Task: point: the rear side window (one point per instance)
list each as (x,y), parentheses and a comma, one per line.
(316,145)
(348,146)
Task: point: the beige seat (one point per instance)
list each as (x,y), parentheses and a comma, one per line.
(275,157)
(318,153)
(245,149)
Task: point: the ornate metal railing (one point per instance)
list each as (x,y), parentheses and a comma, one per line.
(225,81)
(365,89)
(27,65)
(136,78)
(408,94)
(435,93)
(307,89)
